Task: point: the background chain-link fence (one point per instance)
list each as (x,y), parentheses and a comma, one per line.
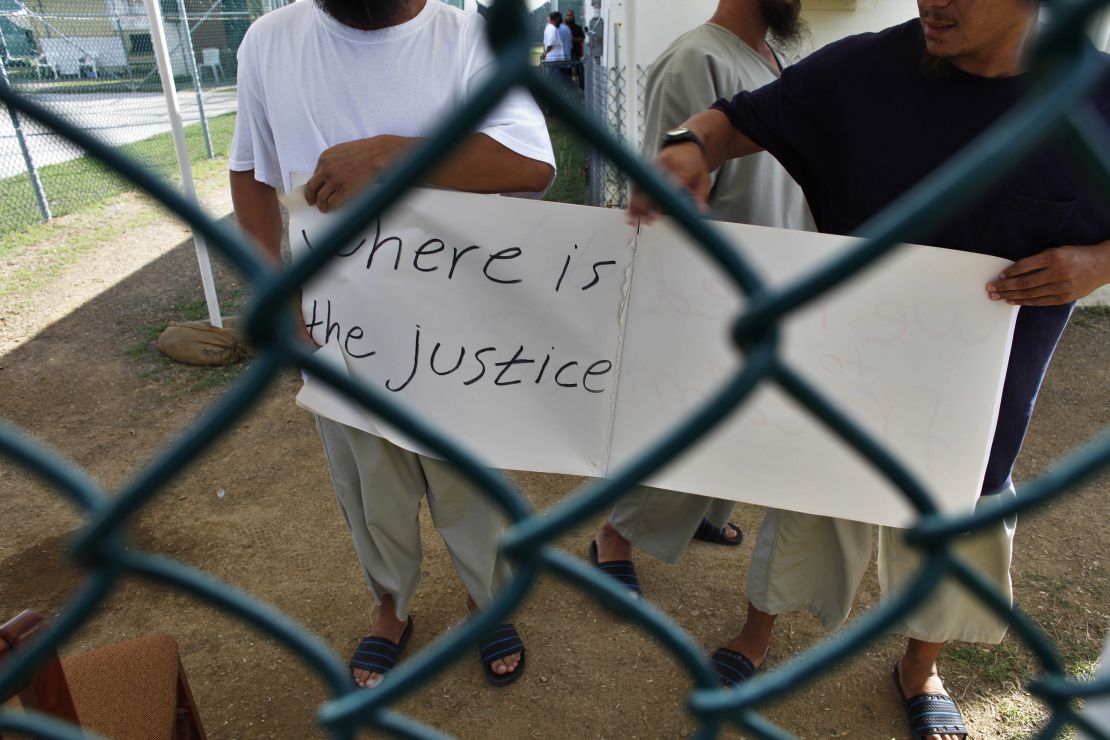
(93,63)
(1058,108)
(605,100)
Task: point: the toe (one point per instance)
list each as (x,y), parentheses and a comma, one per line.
(367,679)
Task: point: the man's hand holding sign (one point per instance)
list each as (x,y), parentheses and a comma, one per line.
(481,165)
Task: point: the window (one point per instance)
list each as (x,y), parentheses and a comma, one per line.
(141,43)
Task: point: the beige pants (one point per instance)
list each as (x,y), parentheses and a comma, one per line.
(803,562)
(380,485)
(661,522)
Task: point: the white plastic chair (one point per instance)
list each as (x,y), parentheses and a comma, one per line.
(40,63)
(211,58)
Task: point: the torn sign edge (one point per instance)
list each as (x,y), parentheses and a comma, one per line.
(622,321)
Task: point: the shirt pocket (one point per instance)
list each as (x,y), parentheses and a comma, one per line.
(1023,225)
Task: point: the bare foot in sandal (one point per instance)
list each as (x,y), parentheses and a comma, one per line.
(380,650)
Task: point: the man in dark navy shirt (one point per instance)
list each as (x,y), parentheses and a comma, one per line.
(858,124)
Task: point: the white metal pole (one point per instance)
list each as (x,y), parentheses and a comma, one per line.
(632,29)
(165,69)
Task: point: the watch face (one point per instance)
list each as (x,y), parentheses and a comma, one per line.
(681,135)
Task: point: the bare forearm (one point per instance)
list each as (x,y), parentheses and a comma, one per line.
(482,165)
(690,165)
(721,139)
(257,211)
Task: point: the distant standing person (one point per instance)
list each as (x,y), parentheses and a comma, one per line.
(553,49)
(567,38)
(556,47)
(577,47)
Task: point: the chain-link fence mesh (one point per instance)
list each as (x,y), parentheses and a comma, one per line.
(605,100)
(94,64)
(1057,108)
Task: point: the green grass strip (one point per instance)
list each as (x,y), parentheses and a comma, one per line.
(79,183)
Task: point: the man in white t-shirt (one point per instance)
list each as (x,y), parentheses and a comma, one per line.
(342,89)
(554,50)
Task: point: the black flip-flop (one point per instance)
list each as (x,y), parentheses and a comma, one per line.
(379,654)
(709,532)
(500,643)
(930,714)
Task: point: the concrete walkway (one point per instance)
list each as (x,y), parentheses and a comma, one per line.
(116,118)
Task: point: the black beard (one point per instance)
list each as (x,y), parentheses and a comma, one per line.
(365,13)
(784,21)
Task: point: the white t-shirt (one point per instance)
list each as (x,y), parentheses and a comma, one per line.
(552,40)
(307,82)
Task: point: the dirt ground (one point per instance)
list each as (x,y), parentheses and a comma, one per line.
(77,372)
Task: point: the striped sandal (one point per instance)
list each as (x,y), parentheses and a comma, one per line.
(731,667)
(378,654)
(502,642)
(622,571)
(709,532)
(930,714)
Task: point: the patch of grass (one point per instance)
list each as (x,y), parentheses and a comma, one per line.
(54,258)
(570,160)
(152,365)
(198,310)
(142,347)
(1021,718)
(995,664)
(1091,317)
(210,378)
(79,183)
(1072,615)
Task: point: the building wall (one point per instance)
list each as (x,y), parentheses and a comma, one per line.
(827,24)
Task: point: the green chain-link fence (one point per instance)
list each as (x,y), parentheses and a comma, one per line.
(1058,107)
(94,64)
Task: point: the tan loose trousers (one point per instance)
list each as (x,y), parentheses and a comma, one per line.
(379,487)
(803,562)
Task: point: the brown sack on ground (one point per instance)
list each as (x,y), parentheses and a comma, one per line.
(200,343)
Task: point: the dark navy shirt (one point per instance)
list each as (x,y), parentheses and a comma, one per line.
(863,120)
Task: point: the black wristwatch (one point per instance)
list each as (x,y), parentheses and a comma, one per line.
(680,135)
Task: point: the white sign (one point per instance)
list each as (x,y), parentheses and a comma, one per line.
(557,338)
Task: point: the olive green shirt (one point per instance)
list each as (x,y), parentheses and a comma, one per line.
(702,65)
